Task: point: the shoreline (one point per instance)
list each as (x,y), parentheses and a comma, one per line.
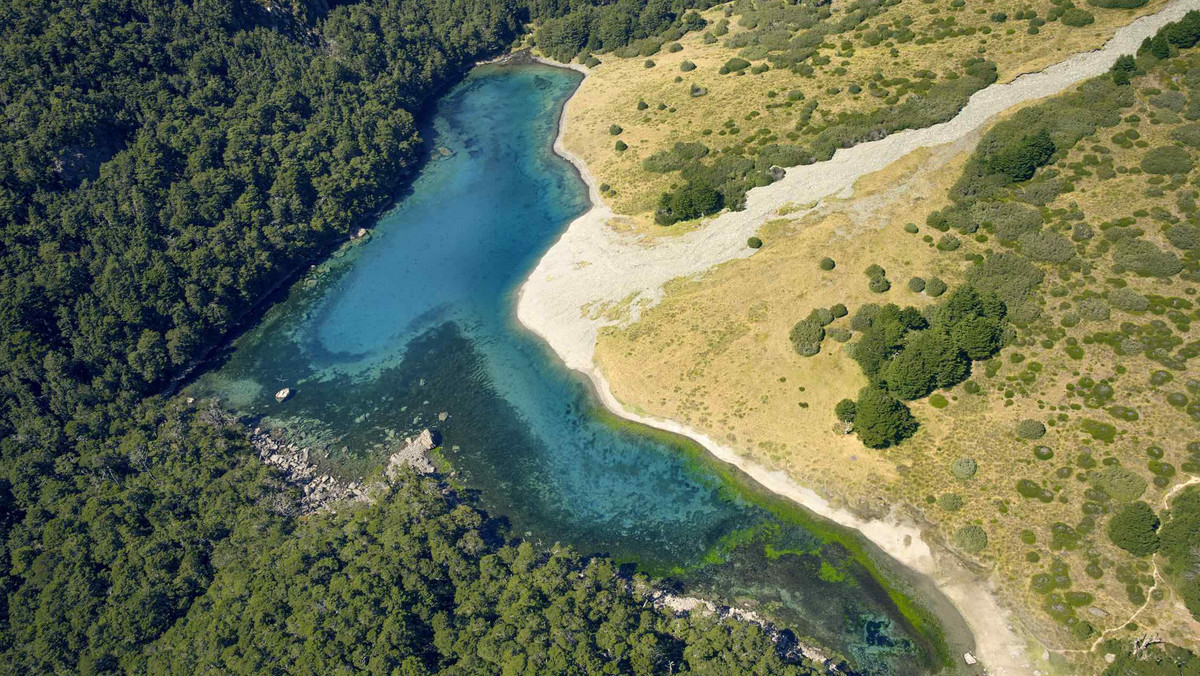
(902,542)
(1000,647)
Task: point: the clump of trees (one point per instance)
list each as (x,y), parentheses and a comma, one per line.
(1179,544)
(907,355)
(1134,528)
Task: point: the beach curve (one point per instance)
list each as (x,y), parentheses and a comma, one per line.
(593,267)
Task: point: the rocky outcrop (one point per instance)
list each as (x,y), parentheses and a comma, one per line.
(789,647)
(324,491)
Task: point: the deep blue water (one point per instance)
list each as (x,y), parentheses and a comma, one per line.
(419,321)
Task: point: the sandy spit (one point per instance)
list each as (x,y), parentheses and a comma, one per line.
(593,266)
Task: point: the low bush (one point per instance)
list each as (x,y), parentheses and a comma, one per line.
(1100,431)
(687,66)
(1031,429)
(1118,4)
(615,130)
(879,284)
(1046,246)
(754,243)
(827,264)
(734,65)
(838,311)
(839,334)
(1145,258)
(806,337)
(971,539)
(1077,18)
(935,287)
(964,468)
(1167,160)
(621,146)
(845,410)
(916,285)
(1188,134)
(1119,483)
(950,502)
(1128,300)
(1134,528)
(948,243)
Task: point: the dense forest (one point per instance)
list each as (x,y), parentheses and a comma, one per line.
(163,166)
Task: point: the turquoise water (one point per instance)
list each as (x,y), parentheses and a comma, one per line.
(415,328)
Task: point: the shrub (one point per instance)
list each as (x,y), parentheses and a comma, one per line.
(948,243)
(1118,4)
(649,63)
(592,62)
(754,243)
(690,201)
(1046,246)
(838,311)
(1077,18)
(1008,220)
(1128,300)
(879,284)
(1031,429)
(916,285)
(882,420)
(1017,160)
(845,410)
(687,66)
(963,468)
(734,65)
(821,316)
(1099,431)
(1146,259)
(620,146)
(950,502)
(674,47)
(935,287)
(1135,529)
(971,539)
(1188,134)
(1119,483)
(1167,160)
(806,337)
(1179,541)
(827,264)
(839,334)
(642,105)
(615,129)
(1185,236)
(938,401)
(873,271)
(911,228)
(864,316)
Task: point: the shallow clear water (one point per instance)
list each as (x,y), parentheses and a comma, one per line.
(419,321)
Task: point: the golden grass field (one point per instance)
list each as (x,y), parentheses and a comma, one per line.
(611,93)
(715,354)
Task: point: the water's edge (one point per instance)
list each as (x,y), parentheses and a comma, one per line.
(1001,646)
(882,536)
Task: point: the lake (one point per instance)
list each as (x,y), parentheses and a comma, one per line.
(415,327)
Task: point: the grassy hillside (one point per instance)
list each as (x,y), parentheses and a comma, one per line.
(1051,463)
(772,84)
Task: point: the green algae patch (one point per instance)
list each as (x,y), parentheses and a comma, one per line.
(922,623)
